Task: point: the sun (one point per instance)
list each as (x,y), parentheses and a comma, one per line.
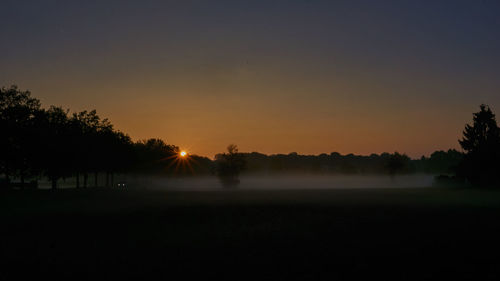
(181,161)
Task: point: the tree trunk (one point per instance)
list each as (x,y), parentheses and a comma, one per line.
(107,179)
(95,178)
(112,179)
(7,177)
(77,180)
(54,184)
(85,177)
(22,179)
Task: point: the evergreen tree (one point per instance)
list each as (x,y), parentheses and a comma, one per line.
(481,142)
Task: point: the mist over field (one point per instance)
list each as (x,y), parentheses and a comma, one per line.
(267,182)
(284,182)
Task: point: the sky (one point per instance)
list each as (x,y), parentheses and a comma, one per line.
(270,76)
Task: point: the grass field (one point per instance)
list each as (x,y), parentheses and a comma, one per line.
(343,234)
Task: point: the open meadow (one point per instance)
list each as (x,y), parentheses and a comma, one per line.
(231,234)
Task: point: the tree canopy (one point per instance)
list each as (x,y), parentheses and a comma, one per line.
(229,165)
(57,144)
(481,142)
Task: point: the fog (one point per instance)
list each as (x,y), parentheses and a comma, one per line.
(284,182)
(261,182)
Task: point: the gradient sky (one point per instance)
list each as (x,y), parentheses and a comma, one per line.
(271,76)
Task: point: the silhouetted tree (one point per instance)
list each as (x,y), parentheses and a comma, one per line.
(481,142)
(229,165)
(18,144)
(441,162)
(154,156)
(83,127)
(121,154)
(397,163)
(57,144)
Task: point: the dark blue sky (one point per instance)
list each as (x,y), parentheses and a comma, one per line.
(272,76)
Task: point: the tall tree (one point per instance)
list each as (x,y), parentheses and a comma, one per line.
(154,156)
(18,113)
(397,163)
(481,142)
(57,144)
(85,127)
(229,165)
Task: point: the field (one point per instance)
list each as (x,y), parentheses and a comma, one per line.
(343,234)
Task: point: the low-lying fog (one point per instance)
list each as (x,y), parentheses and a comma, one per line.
(262,182)
(299,182)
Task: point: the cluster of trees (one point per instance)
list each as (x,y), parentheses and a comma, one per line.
(478,165)
(440,162)
(57,144)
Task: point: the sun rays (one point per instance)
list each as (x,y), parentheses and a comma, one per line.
(182,162)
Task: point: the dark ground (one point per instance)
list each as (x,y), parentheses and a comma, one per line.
(397,234)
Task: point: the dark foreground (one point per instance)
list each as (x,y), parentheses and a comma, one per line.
(405,234)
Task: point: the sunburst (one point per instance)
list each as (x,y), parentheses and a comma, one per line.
(182,161)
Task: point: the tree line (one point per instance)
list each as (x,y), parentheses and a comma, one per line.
(439,162)
(56,144)
(478,164)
